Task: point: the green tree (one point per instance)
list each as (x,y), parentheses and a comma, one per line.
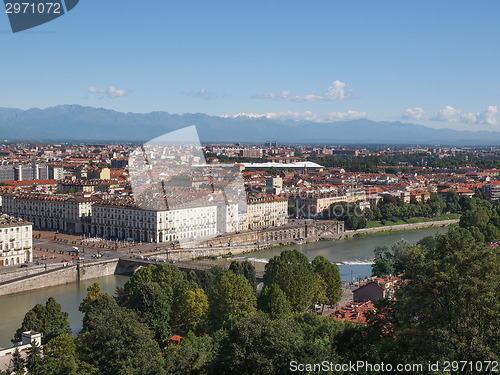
(48,319)
(437,204)
(193,307)
(61,345)
(292,209)
(246,269)
(60,358)
(152,303)
(193,355)
(466,203)
(232,297)
(449,307)
(350,213)
(452,201)
(330,273)
(17,362)
(93,291)
(274,302)
(293,273)
(172,280)
(208,278)
(115,341)
(476,218)
(430,243)
(320,290)
(259,345)
(382,267)
(34,359)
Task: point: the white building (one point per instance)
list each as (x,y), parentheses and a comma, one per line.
(16,241)
(266,211)
(48,211)
(122,220)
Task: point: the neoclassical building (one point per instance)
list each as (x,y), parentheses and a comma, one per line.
(126,221)
(266,211)
(49,211)
(16,241)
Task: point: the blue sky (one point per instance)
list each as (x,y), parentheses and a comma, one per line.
(430,62)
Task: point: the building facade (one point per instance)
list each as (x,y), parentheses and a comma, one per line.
(16,241)
(266,211)
(48,211)
(127,222)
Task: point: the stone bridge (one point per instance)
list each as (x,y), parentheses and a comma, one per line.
(129,266)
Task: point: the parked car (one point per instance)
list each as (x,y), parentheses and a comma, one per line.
(24,265)
(140,257)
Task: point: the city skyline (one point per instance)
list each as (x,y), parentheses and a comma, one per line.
(426,63)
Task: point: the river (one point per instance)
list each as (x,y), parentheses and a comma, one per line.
(354,256)
(68,295)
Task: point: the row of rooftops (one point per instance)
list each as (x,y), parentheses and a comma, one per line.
(178,198)
(10,221)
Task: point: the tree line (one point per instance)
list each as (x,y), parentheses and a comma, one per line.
(226,325)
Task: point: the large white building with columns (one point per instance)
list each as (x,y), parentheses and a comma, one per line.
(16,241)
(126,221)
(120,218)
(50,211)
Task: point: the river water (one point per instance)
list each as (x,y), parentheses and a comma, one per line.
(353,255)
(13,307)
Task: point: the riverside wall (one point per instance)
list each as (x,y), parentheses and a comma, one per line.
(388,228)
(59,276)
(16,273)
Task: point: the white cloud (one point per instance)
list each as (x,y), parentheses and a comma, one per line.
(489,115)
(448,114)
(415,113)
(202,94)
(111,92)
(337,91)
(305,116)
(486,117)
(469,118)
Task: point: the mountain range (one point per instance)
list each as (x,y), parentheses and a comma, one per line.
(79,123)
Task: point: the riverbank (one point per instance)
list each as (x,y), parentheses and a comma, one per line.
(413,220)
(59,275)
(400,228)
(353,254)
(93,269)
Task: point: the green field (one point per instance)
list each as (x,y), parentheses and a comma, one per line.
(375,224)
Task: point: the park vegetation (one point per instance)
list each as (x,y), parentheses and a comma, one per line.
(392,210)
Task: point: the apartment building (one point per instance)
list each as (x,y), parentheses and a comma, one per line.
(124,220)
(48,211)
(266,210)
(492,190)
(16,241)
(314,204)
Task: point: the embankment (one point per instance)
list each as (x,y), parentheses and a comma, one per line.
(400,227)
(58,276)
